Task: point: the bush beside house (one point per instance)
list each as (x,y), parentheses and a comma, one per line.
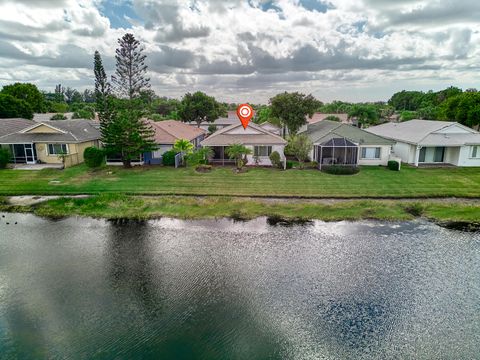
(94,157)
(168,158)
(4,157)
(393,165)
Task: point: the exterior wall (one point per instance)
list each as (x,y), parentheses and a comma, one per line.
(385,151)
(265,160)
(405,151)
(452,155)
(465,158)
(75,153)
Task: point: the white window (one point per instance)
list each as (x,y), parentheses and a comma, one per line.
(371,153)
(55,149)
(476,151)
(262,150)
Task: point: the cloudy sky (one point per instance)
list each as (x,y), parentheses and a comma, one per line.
(249,50)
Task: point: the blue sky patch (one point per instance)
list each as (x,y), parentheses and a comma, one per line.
(118,12)
(316,5)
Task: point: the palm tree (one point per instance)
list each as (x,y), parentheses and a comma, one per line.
(237,151)
(205,153)
(184,147)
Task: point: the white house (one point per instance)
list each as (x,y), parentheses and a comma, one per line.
(432,142)
(335,143)
(260,141)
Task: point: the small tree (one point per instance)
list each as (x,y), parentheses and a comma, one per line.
(184,147)
(129,135)
(301,145)
(199,107)
(237,151)
(364,114)
(201,156)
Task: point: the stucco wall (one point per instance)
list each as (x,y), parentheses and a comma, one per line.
(405,151)
(265,160)
(465,158)
(384,156)
(75,153)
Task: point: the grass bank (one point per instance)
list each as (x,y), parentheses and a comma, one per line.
(370,182)
(115,206)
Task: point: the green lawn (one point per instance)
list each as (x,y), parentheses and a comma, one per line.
(370,182)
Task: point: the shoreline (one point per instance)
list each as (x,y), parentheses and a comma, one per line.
(452,213)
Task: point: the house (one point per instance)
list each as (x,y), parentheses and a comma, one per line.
(219,123)
(167,133)
(274,129)
(260,141)
(42,142)
(432,142)
(342,144)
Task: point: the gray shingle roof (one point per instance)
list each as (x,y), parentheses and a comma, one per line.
(422,132)
(9,126)
(74,131)
(325,130)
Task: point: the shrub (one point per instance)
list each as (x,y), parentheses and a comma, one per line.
(289,164)
(58,117)
(4,157)
(94,157)
(212,128)
(276,160)
(393,165)
(168,158)
(340,170)
(313,164)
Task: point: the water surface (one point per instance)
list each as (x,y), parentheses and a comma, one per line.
(171,289)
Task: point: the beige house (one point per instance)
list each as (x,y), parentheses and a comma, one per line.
(48,142)
(260,141)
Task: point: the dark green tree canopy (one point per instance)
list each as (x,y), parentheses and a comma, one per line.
(129,78)
(365,114)
(199,107)
(28,93)
(11,107)
(293,108)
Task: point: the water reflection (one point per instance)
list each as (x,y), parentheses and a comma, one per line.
(81,288)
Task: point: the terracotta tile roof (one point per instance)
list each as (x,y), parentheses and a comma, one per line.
(169,131)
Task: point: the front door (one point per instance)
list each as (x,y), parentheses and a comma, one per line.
(29,154)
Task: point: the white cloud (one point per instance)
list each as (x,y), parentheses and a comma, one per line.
(235,49)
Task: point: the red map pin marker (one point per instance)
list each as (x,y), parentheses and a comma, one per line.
(244,113)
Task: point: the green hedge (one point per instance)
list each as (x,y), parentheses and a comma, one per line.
(4,157)
(94,157)
(275,159)
(168,158)
(393,165)
(340,170)
(289,164)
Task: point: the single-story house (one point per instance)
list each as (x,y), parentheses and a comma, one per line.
(432,142)
(260,141)
(167,133)
(342,144)
(322,116)
(274,129)
(31,142)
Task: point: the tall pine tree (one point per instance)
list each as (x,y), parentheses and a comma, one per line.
(129,78)
(124,132)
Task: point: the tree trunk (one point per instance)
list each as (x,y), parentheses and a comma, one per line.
(127,163)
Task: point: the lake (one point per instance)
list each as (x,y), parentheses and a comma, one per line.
(172,289)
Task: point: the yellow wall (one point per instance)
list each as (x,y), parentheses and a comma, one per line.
(43,129)
(75,153)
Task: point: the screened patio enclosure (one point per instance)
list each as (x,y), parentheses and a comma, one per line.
(23,153)
(337,151)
